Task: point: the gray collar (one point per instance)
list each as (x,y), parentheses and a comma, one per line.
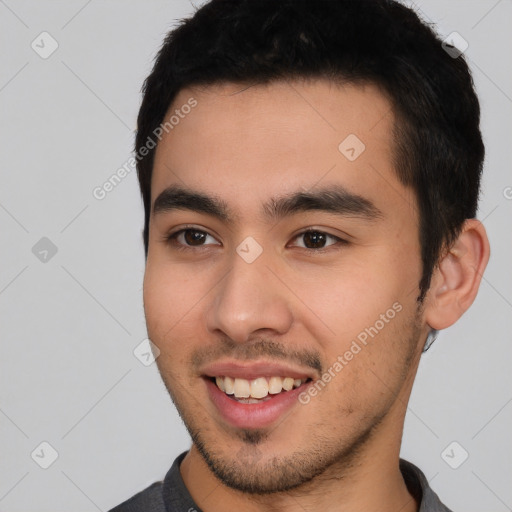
(418,486)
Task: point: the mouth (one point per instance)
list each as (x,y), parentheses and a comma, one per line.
(255,394)
(258,390)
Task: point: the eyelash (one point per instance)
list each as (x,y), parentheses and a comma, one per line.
(171,240)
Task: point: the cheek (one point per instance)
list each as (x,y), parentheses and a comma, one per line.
(368,309)
(353,297)
(367,367)
(175,284)
(169,296)
(169,322)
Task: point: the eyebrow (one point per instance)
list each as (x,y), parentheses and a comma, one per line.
(334,199)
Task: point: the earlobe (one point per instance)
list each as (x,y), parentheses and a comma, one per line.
(457,277)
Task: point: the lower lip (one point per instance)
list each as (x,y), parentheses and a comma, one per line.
(253,415)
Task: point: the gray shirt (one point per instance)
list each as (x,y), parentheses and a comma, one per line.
(171,495)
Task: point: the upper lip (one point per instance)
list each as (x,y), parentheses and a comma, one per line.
(252,370)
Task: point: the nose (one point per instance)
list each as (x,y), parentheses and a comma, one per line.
(250,300)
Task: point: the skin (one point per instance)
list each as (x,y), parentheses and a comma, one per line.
(244,145)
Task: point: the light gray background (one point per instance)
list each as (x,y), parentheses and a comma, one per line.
(70,325)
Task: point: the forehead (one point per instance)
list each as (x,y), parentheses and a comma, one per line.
(248,143)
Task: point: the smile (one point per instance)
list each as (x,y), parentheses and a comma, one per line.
(256,390)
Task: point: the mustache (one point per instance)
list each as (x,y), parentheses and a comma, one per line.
(255,350)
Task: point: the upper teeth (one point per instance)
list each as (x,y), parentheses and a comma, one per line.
(257,388)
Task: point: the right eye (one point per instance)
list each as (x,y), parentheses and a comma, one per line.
(189,237)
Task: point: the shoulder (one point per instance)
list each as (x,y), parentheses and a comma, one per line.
(419,487)
(169,494)
(148,500)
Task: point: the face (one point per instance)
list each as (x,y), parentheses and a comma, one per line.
(282,277)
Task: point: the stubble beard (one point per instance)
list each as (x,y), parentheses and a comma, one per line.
(247,472)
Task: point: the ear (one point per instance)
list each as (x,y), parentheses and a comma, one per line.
(456,279)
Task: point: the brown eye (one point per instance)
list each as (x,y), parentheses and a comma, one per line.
(316,239)
(194,237)
(190,237)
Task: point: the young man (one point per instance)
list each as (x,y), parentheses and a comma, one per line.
(310,173)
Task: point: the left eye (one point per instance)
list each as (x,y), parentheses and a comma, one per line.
(316,239)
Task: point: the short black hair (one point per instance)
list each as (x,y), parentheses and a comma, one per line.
(438,146)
